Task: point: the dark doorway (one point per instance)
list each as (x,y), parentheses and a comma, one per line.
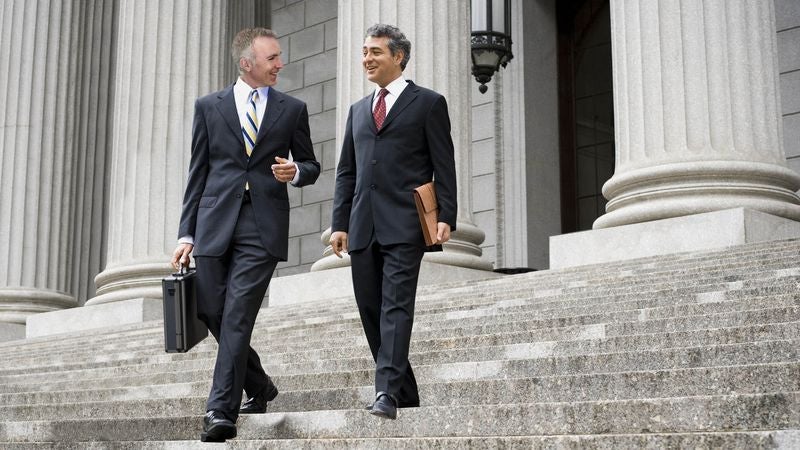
(586,110)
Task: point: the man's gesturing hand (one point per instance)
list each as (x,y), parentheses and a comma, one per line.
(283,171)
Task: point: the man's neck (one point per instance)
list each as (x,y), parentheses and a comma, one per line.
(400,75)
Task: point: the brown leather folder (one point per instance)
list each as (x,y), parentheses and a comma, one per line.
(428,210)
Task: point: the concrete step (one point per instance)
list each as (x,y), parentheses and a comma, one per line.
(718,413)
(305,320)
(607,313)
(183,398)
(529,343)
(546,354)
(529,347)
(494,361)
(751,440)
(697,350)
(590,288)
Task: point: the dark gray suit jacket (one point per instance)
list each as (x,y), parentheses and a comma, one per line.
(378,171)
(220,167)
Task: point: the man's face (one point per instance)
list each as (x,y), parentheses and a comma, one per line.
(381,67)
(263,69)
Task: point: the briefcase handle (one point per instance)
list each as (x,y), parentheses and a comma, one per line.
(183,270)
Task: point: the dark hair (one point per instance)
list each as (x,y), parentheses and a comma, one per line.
(397,40)
(242,46)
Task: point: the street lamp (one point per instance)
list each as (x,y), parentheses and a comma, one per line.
(491,38)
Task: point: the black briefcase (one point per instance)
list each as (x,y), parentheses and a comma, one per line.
(182,329)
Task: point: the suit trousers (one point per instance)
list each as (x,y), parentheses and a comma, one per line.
(385,285)
(231,289)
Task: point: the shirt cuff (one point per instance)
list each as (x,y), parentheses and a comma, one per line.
(186,240)
(296,175)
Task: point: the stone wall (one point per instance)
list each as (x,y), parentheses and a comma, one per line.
(307,30)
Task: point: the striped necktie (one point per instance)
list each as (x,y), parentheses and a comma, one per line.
(250,128)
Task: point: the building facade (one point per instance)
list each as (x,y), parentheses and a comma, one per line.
(611,113)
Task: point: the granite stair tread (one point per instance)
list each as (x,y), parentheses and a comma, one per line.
(691,414)
(691,350)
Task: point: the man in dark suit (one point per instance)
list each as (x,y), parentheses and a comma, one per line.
(395,140)
(235,218)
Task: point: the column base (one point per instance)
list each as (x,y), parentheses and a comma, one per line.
(680,189)
(705,231)
(462,250)
(99,316)
(17,305)
(134,280)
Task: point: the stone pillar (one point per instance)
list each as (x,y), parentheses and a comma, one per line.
(37,158)
(168,54)
(443,67)
(697,118)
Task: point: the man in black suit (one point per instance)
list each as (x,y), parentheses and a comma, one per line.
(395,140)
(235,218)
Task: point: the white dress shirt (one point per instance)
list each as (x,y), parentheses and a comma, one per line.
(395,88)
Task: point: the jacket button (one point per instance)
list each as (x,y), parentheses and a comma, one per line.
(373,162)
(372,186)
(238,195)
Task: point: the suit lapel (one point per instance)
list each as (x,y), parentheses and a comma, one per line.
(408,95)
(365,107)
(227,108)
(274,110)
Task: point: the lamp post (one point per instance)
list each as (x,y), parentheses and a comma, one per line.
(491,38)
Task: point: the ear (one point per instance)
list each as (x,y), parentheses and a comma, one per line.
(244,64)
(398,57)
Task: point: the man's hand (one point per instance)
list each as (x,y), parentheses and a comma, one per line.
(283,171)
(181,255)
(442,232)
(339,242)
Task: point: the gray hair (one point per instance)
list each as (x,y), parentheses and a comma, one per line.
(397,40)
(242,46)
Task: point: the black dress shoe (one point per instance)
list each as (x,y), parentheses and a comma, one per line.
(384,406)
(217,427)
(258,404)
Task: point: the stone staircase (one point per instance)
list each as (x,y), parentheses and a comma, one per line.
(696,350)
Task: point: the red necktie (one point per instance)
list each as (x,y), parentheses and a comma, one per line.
(380,109)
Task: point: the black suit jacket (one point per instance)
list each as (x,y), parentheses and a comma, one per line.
(378,171)
(219,169)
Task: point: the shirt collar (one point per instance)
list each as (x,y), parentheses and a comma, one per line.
(241,88)
(395,87)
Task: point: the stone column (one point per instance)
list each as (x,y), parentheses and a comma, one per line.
(443,67)
(696,101)
(168,54)
(37,158)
